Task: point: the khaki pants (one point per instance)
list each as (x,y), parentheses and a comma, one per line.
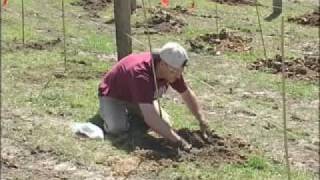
(115,114)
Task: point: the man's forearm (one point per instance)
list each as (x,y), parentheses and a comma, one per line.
(152,118)
(190,99)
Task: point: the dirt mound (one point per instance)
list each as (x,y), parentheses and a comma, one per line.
(188,11)
(236,2)
(182,10)
(216,43)
(307,68)
(154,154)
(312,19)
(41,45)
(92,5)
(163,21)
(215,149)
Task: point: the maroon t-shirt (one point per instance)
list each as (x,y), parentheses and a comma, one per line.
(131,80)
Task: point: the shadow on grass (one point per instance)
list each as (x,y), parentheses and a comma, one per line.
(137,139)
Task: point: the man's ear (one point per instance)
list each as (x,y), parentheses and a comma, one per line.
(162,63)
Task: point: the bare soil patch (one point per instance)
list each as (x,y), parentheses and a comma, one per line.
(92,5)
(182,10)
(163,21)
(215,149)
(312,19)
(40,45)
(236,2)
(187,11)
(152,154)
(213,43)
(80,70)
(307,68)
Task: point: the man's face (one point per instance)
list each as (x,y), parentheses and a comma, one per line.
(172,74)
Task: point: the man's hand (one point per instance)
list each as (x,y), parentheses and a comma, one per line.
(184,145)
(204,127)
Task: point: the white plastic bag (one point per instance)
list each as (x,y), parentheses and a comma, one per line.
(88,130)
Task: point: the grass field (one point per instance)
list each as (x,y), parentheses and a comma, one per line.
(40,101)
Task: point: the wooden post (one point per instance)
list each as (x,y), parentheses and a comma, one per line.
(122,16)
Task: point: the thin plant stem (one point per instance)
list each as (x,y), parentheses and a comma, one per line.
(64,36)
(217,20)
(284,112)
(22,16)
(261,32)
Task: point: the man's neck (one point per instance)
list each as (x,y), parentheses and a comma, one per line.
(158,73)
(156,60)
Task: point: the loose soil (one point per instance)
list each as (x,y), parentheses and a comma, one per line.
(312,19)
(153,154)
(40,45)
(188,11)
(163,21)
(213,43)
(92,5)
(307,68)
(236,2)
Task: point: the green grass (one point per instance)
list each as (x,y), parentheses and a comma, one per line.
(100,43)
(297,89)
(257,168)
(181,116)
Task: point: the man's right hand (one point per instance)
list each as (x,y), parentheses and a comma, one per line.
(184,145)
(204,127)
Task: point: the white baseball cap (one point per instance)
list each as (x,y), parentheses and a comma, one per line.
(174,54)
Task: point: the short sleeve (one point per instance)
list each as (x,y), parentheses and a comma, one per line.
(179,85)
(142,89)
